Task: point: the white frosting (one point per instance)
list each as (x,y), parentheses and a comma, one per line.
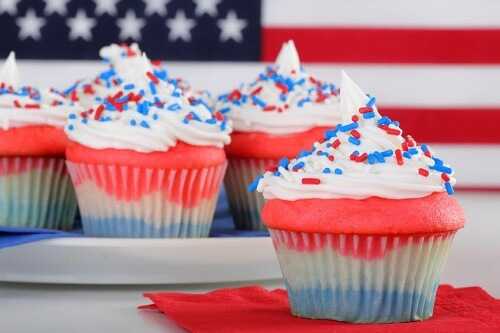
(357,180)
(296,116)
(159,128)
(15,111)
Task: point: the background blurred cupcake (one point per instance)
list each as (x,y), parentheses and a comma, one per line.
(363,222)
(147,162)
(35,189)
(284,111)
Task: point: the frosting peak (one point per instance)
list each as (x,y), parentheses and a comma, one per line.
(364,156)
(9,74)
(288,59)
(282,100)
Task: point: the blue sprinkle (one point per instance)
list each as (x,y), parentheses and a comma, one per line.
(283,162)
(349,127)
(129,86)
(176,93)
(71,127)
(277,173)
(144,124)
(354,141)
(379,157)
(107,74)
(301,81)
(331,133)
(299,165)
(223,98)
(85,120)
(384,121)
(449,188)
(327,170)
(161,74)
(155,116)
(387,153)
(253,185)
(413,151)
(224,110)
(72,116)
(174,107)
(70,89)
(244,99)
(369,115)
(338,171)
(304,153)
(424,147)
(133,122)
(223,125)
(152,87)
(371,102)
(407,155)
(143,108)
(122,99)
(371,159)
(258,101)
(283,97)
(303,101)
(211,121)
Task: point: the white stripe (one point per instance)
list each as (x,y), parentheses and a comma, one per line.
(382,13)
(410,85)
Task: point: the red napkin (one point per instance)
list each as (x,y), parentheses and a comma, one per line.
(255,309)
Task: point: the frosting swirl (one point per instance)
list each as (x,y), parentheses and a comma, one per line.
(283,100)
(148,114)
(365,156)
(27,106)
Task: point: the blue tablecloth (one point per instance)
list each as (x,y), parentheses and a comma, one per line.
(222,227)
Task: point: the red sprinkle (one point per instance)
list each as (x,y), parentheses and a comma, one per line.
(355,118)
(269,108)
(32,106)
(256,91)
(336,143)
(152,77)
(399,156)
(234,95)
(320,98)
(313,80)
(362,157)
(282,87)
(388,130)
(17,104)
(355,134)
(98,112)
(445,177)
(331,157)
(272,168)
(365,109)
(423,172)
(411,142)
(156,63)
(427,153)
(404,145)
(219,116)
(311,181)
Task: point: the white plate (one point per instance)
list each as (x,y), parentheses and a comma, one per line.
(140,261)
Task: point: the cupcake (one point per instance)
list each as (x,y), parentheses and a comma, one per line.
(282,112)
(147,162)
(362,223)
(35,189)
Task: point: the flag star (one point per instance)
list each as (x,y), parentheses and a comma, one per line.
(231,27)
(130,26)
(156,7)
(206,7)
(30,25)
(55,6)
(8,6)
(105,7)
(180,27)
(80,26)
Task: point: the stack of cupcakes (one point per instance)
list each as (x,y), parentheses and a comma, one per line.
(147,161)
(362,223)
(35,189)
(281,113)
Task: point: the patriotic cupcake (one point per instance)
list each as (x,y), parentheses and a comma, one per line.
(147,162)
(35,189)
(363,222)
(284,111)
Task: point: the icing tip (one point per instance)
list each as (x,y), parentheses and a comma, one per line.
(9,73)
(288,57)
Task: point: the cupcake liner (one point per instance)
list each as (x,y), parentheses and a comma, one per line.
(245,206)
(361,279)
(135,202)
(36,192)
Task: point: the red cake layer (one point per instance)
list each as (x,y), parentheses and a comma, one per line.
(263,145)
(182,174)
(435,213)
(33,141)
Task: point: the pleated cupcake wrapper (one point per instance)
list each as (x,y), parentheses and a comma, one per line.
(36,192)
(245,206)
(151,203)
(344,277)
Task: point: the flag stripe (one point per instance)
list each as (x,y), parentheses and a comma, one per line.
(448,125)
(382,13)
(386,45)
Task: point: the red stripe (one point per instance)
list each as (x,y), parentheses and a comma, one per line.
(448,125)
(390,45)
(494,189)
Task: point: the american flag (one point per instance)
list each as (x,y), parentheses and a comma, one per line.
(433,64)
